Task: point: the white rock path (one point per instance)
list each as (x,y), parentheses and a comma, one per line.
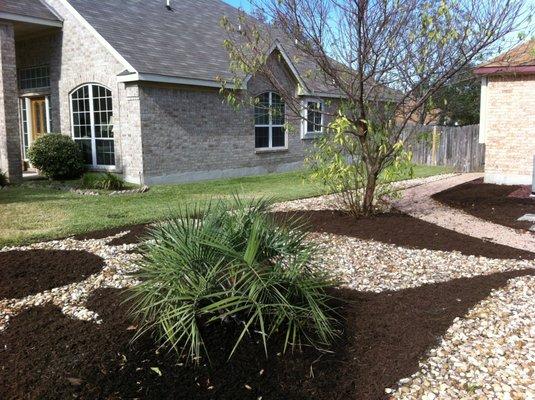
(417,202)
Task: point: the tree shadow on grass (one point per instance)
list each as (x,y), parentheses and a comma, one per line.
(47,355)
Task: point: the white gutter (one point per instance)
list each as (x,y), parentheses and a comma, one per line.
(170,79)
(30,20)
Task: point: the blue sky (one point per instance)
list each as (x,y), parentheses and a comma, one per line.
(240,3)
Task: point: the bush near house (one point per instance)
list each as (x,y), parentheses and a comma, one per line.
(57,157)
(104,181)
(234,267)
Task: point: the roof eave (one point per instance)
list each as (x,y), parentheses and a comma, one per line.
(30,20)
(526,69)
(176,80)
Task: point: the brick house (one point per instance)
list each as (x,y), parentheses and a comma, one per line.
(507,125)
(134,83)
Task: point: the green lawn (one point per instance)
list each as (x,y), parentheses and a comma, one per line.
(36,212)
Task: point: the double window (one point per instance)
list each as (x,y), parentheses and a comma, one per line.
(312,118)
(92,124)
(269,121)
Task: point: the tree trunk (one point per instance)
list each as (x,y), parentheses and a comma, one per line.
(369,195)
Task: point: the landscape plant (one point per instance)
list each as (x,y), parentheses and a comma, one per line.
(234,265)
(382,63)
(57,157)
(104,181)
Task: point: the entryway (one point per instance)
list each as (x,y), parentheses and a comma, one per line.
(35,122)
(38,113)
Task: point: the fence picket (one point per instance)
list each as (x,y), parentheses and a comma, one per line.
(458,146)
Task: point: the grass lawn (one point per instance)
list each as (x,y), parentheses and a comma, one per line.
(37,212)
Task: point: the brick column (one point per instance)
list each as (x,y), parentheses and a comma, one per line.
(10,147)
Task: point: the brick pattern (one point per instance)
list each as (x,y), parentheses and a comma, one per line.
(10,148)
(510,133)
(192,133)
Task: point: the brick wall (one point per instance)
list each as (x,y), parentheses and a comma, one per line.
(10,154)
(192,133)
(510,132)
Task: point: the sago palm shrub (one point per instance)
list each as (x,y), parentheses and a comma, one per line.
(233,265)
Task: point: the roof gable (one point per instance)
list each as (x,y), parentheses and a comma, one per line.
(186,41)
(28,11)
(182,45)
(520,59)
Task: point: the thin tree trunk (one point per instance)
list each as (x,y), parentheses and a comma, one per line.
(369,194)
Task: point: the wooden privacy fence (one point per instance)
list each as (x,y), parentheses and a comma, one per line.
(456,146)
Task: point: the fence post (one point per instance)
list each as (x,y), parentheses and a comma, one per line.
(435,140)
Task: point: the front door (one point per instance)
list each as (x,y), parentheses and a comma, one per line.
(38,117)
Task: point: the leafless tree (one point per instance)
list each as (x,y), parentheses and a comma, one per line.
(387,58)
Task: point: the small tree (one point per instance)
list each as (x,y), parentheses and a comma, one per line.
(386,58)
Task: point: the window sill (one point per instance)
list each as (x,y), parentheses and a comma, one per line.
(271,150)
(312,135)
(104,168)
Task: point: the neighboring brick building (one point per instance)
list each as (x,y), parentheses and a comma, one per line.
(507,125)
(135,84)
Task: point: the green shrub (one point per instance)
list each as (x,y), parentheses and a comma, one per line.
(235,265)
(3,179)
(57,157)
(105,181)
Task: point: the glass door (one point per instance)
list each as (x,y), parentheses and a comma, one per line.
(39,120)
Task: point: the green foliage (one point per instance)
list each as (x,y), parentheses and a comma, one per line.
(338,160)
(233,266)
(105,181)
(57,157)
(3,179)
(457,102)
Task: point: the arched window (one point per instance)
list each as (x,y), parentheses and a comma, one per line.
(269,121)
(92,124)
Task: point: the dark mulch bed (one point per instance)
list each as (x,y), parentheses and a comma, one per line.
(23,273)
(402,230)
(136,234)
(45,355)
(493,203)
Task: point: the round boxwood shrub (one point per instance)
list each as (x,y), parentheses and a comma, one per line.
(57,157)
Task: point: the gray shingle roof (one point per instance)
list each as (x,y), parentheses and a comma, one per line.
(27,8)
(186,42)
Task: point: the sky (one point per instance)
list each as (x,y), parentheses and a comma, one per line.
(244,4)
(240,3)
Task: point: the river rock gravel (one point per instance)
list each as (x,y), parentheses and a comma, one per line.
(487,354)
(119,263)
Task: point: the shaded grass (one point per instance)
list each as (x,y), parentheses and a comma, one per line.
(38,212)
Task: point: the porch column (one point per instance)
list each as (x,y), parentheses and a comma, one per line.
(10,146)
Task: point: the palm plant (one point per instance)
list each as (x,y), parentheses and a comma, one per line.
(234,264)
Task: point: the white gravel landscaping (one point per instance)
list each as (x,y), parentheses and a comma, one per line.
(375,267)
(487,354)
(71,298)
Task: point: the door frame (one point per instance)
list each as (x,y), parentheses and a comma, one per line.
(27,110)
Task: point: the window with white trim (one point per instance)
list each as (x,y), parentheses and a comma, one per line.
(312,118)
(269,121)
(92,124)
(25,128)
